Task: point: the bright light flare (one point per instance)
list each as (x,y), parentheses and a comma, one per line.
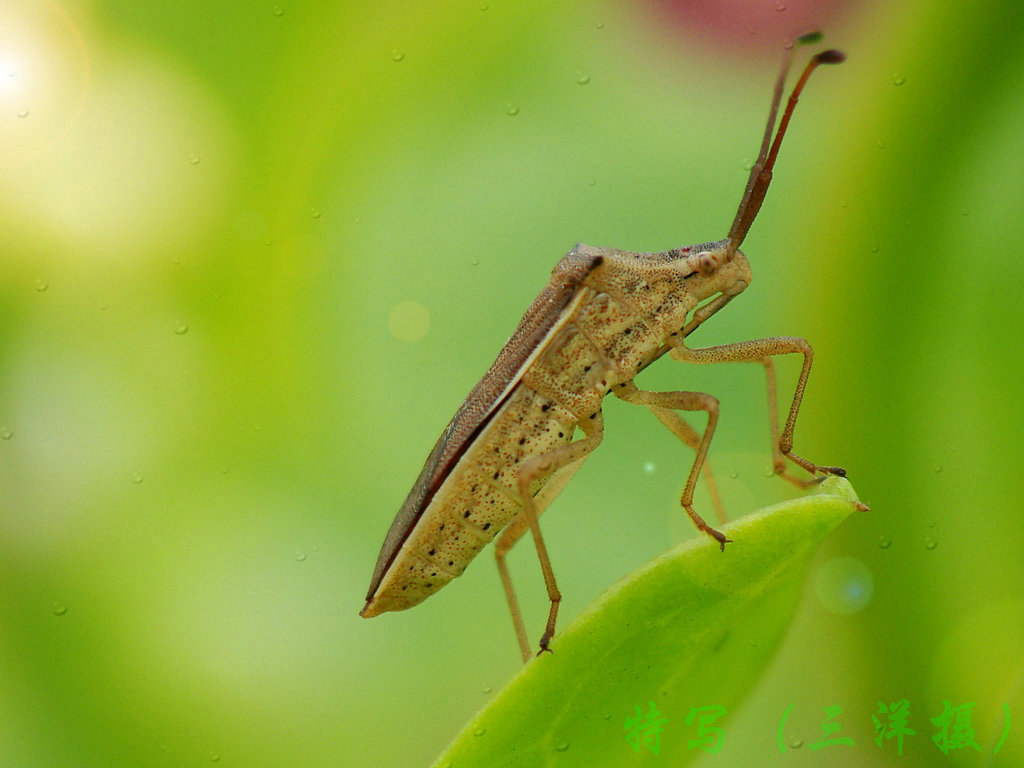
(100,139)
(44,77)
(12,72)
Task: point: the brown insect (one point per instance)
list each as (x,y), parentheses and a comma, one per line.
(605,315)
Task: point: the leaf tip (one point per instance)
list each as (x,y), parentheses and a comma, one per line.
(834,485)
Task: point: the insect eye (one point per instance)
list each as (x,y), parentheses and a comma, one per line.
(707,263)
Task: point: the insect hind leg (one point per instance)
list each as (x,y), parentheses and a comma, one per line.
(560,464)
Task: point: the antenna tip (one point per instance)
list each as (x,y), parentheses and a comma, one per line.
(831,56)
(809,39)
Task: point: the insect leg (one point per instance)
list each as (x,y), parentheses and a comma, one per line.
(756,351)
(513,532)
(561,464)
(704,311)
(778,460)
(687,401)
(687,434)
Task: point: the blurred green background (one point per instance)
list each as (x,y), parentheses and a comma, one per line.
(255,255)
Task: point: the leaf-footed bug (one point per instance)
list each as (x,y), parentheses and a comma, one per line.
(605,315)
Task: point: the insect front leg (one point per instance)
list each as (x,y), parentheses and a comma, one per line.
(778,459)
(561,464)
(757,351)
(679,427)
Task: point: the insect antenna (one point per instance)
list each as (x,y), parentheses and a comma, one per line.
(761,173)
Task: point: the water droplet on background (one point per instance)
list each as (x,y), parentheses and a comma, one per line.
(214,756)
(42,285)
(511,110)
(479,731)
(300,557)
(844,585)
(59,609)
(582,79)
(397,56)
(315,213)
(181,329)
(278,11)
(930,543)
(136,478)
(23,113)
(5,433)
(486,688)
(884,542)
(563,747)
(795,742)
(898,79)
(193,159)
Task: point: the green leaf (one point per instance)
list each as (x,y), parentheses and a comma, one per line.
(695,627)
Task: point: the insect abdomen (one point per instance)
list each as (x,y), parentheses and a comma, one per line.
(476,501)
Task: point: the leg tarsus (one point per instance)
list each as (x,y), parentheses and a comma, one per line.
(549,631)
(703,527)
(814,469)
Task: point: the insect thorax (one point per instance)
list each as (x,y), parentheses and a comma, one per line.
(657,292)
